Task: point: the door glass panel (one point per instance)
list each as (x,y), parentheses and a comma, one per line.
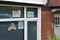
(11,30)
(32,30)
(11,12)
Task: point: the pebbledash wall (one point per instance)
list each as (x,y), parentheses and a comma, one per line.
(45,17)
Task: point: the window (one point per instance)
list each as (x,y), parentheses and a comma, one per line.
(19,23)
(32,30)
(31,12)
(56,20)
(11,12)
(12,30)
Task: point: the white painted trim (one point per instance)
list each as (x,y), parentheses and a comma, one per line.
(39,25)
(29,1)
(25,30)
(11,19)
(25,27)
(17,5)
(31,19)
(56,15)
(53,10)
(44,1)
(18,19)
(25,12)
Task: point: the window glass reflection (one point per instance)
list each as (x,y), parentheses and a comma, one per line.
(10,31)
(32,30)
(11,12)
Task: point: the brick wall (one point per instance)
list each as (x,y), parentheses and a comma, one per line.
(54,2)
(47,20)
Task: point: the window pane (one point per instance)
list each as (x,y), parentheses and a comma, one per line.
(32,30)
(11,12)
(9,31)
(31,12)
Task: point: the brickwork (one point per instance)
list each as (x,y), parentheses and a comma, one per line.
(47,20)
(54,2)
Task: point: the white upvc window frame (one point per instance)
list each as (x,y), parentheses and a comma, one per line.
(25,19)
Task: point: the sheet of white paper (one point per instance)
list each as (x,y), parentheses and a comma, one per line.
(20,25)
(30,14)
(16,13)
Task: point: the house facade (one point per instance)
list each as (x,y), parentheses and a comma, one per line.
(51,20)
(55,9)
(21,20)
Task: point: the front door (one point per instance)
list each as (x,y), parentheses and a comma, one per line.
(57,26)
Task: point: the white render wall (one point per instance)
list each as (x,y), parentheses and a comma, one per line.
(30,1)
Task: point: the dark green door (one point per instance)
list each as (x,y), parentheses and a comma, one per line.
(32,30)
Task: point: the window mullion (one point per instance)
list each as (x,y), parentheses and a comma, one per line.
(25,12)
(12,19)
(25,30)
(39,24)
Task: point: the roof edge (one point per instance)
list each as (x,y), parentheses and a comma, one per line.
(20,3)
